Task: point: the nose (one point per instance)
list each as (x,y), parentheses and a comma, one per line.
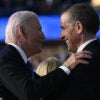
(62,36)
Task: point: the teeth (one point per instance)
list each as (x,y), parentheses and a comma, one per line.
(67,41)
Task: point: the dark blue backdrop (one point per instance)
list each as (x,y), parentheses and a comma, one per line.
(50,26)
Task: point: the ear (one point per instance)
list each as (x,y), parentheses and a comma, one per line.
(79,27)
(21,31)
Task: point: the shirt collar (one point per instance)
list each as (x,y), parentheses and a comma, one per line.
(21,52)
(85,44)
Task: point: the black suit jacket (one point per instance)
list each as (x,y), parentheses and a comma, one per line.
(16,81)
(84,81)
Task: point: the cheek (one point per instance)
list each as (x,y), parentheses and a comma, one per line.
(72,39)
(68,33)
(31,42)
(35,42)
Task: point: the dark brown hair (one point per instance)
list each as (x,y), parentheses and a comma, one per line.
(86,14)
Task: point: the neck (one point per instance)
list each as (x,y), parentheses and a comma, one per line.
(85,38)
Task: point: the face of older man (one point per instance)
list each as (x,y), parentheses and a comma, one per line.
(33,37)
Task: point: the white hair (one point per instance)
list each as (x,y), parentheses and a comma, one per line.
(20,17)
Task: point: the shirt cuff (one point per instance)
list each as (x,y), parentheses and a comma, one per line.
(65,69)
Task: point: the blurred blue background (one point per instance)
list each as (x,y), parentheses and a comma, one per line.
(48,12)
(50,26)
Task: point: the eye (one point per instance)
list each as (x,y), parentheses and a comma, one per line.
(62,27)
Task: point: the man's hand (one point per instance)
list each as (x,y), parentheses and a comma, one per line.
(76,58)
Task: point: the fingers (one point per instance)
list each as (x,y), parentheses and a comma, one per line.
(82,62)
(77,58)
(83,54)
(88,52)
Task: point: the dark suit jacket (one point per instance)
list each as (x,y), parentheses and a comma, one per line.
(84,80)
(16,81)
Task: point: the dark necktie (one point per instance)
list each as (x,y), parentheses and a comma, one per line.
(29,65)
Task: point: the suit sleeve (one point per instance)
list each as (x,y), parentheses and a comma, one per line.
(18,81)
